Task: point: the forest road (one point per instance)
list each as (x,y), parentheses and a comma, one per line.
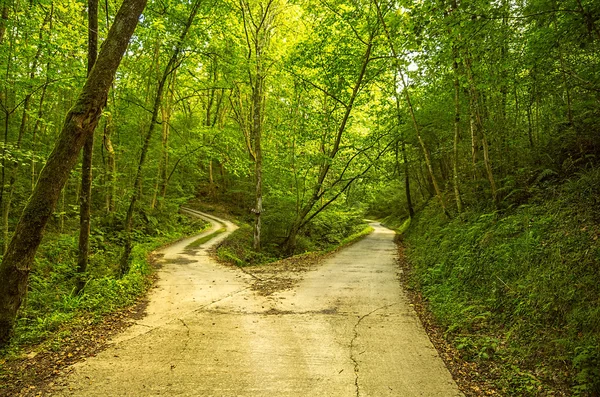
(346,329)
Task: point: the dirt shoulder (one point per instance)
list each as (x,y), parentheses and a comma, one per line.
(32,373)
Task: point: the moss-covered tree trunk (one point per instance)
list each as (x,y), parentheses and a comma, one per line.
(80,122)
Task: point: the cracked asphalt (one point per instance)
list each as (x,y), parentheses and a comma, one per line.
(346,329)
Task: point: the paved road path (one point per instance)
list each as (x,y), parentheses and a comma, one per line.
(346,330)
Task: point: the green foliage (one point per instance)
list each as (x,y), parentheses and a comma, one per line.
(330,229)
(53,303)
(520,287)
(237,249)
(335,227)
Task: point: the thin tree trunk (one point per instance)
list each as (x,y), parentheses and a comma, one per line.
(409,203)
(3,20)
(411,210)
(257,41)
(419,177)
(477,129)
(488,167)
(474,140)
(79,123)
(137,185)
(428,162)
(455,158)
(529,126)
(85,200)
(36,127)
(211,180)
(111,167)
(455,178)
(162,179)
(165,146)
(257,103)
(567,88)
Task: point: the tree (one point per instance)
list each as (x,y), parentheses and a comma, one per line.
(336,76)
(259,25)
(172,65)
(86,162)
(80,122)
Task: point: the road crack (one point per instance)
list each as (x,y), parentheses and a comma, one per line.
(187,340)
(353,356)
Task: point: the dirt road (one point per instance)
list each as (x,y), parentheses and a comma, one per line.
(346,329)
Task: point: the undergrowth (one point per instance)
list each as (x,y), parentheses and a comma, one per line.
(52,302)
(520,289)
(330,230)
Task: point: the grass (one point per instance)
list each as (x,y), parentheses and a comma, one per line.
(237,248)
(519,289)
(52,304)
(202,240)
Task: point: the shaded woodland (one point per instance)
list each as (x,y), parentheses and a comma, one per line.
(473,127)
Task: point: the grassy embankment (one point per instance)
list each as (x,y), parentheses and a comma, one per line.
(518,290)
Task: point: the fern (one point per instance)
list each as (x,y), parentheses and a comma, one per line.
(545,174)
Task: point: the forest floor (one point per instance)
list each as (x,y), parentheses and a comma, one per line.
(341,326)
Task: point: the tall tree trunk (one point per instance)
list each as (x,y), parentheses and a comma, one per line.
(111,166)
(79,123)
(455,178)
(455,158)
(409,204)
(3,19)
(411,210)
(137,184)
(164,178)
(529,126)
(477,129)
(36,127)
(257,120)
(428,162)
(85,200)
(474,140)
(257,36)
